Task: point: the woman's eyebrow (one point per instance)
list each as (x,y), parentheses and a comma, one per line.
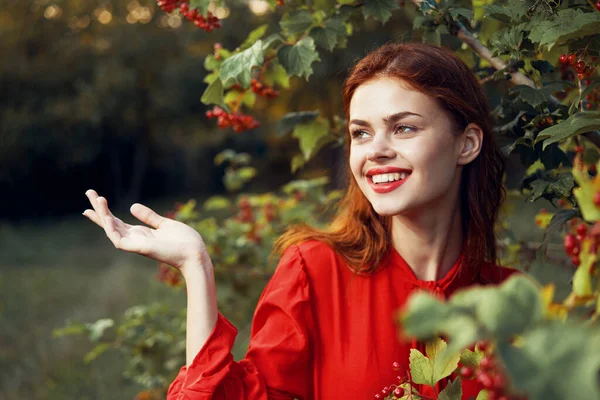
(390,119)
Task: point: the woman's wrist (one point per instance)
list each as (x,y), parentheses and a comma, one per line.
(197,269)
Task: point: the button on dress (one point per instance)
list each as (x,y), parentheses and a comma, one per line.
(322,332)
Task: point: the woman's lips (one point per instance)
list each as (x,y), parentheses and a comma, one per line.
(385,187)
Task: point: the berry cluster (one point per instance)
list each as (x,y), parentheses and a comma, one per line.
(263,90)
(489,375)
(395,390)
(208,24)
(580,232)
(169,275)
(581,67)
(239,122)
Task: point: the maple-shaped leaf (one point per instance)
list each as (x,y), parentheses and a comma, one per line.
(297,59)
(566,24)
(381,10)
(238,67)
(437,365)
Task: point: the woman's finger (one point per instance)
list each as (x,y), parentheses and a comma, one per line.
(111,232)
(93,197)
(93,216)
(147,215)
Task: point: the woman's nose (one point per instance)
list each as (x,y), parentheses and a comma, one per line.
(380,149)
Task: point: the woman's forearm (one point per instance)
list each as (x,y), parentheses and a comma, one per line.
(201,307)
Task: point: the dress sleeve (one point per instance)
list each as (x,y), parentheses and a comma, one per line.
(278,364)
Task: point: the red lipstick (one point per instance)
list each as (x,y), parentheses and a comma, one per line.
(388,186)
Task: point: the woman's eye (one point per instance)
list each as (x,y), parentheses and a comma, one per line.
(358,134)
(401,128)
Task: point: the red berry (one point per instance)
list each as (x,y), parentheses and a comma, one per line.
(377,396)
(485,379)
(580,65)
(398,392)
(596,199)
(570,243)
(575,260)
(487,363)
(597,5)
(563,59)
(499,381)
(482,346)
(579,149)
(466,372)
(396,365)
(385,391)
(572,58)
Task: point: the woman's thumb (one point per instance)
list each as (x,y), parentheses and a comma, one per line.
(146,215)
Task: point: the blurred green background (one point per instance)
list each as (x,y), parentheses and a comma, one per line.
(105,94)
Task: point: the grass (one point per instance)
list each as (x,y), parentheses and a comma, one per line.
(55,270)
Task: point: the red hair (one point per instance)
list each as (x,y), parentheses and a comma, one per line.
(357,232)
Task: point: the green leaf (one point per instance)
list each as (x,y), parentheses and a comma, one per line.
(506,13)
(297,162)
(437,365)
(246,173)
(290,120)
(211,63)
(213,93)
(96,329)
(272,40)
(297,59)
(453,391)
(556,361)
(543,66)
(277,75)
(537,96)
(566,24)
(505,310)
(309,135)
(328,35)
(443,362)
(253,36)
(455,12)
(582,281)
(482,395)
(295,22)
(470,358)
(381,10)
(96,352)
(421,369)
(225,155)
(200,5)
(550,188)
(238,67)
(216,203)
(576,124)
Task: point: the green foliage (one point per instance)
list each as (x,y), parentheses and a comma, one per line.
(297,59)
(437,365)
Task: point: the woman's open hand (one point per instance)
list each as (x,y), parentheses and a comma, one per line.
(171,242)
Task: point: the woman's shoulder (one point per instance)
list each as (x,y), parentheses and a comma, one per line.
(312,254)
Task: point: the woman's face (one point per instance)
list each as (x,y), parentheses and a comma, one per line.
(403,153)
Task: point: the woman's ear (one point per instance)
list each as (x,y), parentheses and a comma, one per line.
(470,142)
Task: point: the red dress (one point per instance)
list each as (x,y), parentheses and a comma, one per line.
(320,332)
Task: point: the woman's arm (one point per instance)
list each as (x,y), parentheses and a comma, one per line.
(202,309)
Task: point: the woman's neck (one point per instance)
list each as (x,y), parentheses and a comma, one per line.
(429,242)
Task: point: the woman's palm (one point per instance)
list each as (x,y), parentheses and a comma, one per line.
(168,241)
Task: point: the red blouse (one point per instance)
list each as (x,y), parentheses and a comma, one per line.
(320,332)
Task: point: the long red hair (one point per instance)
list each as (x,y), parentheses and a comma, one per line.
(361,236)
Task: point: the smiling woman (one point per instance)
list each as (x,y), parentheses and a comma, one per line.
(424,189)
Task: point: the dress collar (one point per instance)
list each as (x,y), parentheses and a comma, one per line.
(440,285)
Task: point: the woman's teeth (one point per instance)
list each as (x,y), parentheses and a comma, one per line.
(383,178)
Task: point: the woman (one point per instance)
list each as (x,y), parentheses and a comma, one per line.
(423,198)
